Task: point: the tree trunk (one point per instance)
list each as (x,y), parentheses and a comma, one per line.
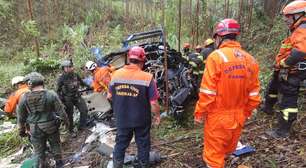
(179,25)
(165,58)
(251,4)
(31,18)
(240,10)
(191,21)
(197,21)
(127,14)
(226,8)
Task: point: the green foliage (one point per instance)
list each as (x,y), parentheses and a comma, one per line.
(8,71)
(10,142)
(115,37)
(30,28)
(75,34)
(42,65)
(92,16)
(5,8)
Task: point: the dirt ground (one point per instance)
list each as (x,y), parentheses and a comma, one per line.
(183,148)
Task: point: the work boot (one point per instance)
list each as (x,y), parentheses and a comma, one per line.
(59,164)
(282,130)
(268,109)
(144,165)
(139,164)
(117,164)
(72,134)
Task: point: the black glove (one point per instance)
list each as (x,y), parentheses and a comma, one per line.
(22,133)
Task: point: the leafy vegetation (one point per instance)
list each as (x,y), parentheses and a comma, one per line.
(9,142)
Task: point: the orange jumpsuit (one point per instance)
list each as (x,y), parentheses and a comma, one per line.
(12,101)
(229,92)
(101,78)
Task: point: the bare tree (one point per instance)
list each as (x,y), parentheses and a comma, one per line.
(30,10)
(179,25)
(250,14)
(240,10)
(197,21)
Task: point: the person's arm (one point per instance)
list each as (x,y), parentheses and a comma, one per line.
(208,89)
(59,86)
(153,97)
(298,51)
(295,57)
(22,115)
(59,108)
(82,83)
(254,88)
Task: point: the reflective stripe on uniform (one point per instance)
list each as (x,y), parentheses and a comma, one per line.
(193,64)
(222,55)
(272,95)
(208,166)
(253,94)
(195,73)
(200,57)
(207,91)
(287,111)
(286,46)
(132,82)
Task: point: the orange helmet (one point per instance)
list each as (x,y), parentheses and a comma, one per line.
(186,45)
(137,53)
(295,7)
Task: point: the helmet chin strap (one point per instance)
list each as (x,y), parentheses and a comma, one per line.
(295,21)
(221,41)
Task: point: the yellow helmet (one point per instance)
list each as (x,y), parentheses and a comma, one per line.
(208,42)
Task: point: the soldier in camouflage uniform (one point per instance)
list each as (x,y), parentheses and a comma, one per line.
(39,114)
(68,85)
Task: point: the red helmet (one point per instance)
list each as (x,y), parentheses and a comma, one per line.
(186,45)
(227,26)
(137,53)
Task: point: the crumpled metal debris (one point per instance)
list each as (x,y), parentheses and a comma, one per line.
(7,161)
(100,132)
(6,127)
(243,149)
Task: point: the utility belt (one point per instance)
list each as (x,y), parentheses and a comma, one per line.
(71,98)
(48,127)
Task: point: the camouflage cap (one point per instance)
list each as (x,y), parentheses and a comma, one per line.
(34,78)
(66,63)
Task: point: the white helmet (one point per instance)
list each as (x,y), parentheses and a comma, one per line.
(90,65)
(17,79)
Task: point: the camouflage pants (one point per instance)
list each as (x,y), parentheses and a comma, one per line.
(80,104)
(39,139)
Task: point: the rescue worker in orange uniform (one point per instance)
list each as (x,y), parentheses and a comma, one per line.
(228,94)
(134,98)
(12,101)
(101,76)
(289,71)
